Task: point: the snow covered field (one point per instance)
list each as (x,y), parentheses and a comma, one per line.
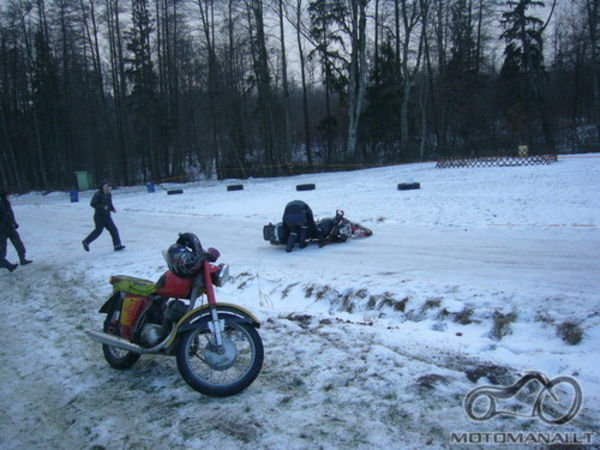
(474,279)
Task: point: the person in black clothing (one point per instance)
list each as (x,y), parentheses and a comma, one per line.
(8,230)
(298,224)
(103,206)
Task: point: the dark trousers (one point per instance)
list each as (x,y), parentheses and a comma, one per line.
(101,223)
(296,225)
(16,241)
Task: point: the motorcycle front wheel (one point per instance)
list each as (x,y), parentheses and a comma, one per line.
(220,372)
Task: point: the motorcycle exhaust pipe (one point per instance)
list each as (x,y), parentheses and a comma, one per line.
(115,341)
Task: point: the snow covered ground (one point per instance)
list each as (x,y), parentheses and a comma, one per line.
(474,279)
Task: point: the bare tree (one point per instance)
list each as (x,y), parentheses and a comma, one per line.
(592,17)
(300,33)
(357,70)
(16,55)
(408,20)
(287,140)
(118,165)
(262,74)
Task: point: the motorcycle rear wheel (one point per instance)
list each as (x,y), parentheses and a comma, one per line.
(220,374)
(118,358)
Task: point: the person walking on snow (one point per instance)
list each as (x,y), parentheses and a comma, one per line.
(8,230)
(103,207)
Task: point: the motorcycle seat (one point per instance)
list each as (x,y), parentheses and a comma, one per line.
(133,285)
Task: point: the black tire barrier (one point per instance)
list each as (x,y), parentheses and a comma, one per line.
(408,186)
(306,187)
(175,191)
(235,187)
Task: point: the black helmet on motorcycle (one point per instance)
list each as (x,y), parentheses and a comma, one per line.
(191,241)
(185,257)
(182,262)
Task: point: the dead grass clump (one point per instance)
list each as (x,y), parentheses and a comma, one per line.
(570,332)
(463,317)
(544,317)
(308,290)
(287,289)
(348,299)
(372,302)
(432,303)
(387,299)
(303,320)
(501,326)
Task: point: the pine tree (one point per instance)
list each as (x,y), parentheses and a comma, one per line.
(523,71)
(325,17)
(143,99)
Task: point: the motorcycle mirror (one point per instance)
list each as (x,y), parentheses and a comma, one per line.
(214,253)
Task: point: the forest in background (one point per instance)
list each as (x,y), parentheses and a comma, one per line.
(139,90)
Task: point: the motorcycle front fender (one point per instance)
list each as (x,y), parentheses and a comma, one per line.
(199,317)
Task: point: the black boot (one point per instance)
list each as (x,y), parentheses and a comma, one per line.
(24,261)
(4,263)
(292,238)
(86,246)
(303,236)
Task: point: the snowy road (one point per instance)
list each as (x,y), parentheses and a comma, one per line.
(489,257)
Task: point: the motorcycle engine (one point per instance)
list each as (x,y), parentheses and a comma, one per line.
(152,334)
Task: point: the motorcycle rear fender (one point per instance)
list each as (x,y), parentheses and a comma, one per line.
(199,317)
(115,297)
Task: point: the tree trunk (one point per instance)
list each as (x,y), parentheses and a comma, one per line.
(307,139)
(265,94)
(287,150)
(410,18)
(357,73)
(593,20)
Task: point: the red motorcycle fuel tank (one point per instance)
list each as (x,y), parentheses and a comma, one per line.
(170,285)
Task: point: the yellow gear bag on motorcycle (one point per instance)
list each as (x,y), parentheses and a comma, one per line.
(133,285)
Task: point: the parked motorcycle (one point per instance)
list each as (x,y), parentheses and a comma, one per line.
(218,348)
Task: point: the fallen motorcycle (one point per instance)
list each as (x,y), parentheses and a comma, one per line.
(218,348)
(327,230)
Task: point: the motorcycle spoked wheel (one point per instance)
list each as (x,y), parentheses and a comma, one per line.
(220,374)
(118,358)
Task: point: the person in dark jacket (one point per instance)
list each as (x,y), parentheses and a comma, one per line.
(8,230)
(103,207)
(298,224)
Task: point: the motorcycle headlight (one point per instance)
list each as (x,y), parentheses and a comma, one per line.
(222,276)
